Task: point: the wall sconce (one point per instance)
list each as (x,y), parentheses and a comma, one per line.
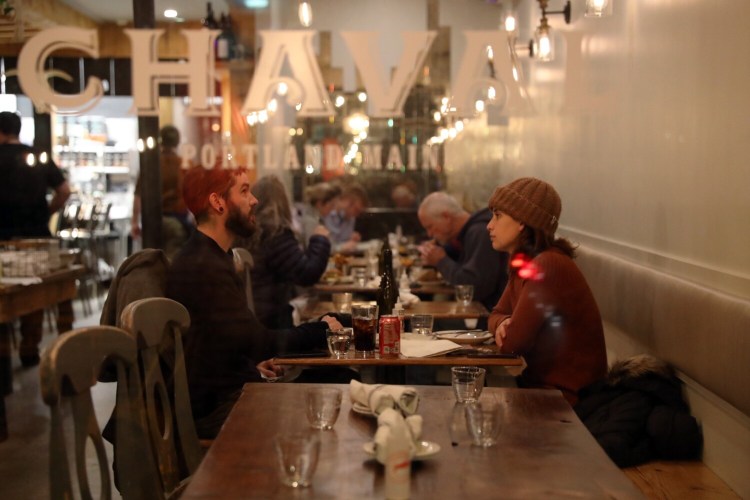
(542,46)
(305,13)
(598,8)
(508,20)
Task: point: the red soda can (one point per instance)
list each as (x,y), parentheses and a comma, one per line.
(390,336)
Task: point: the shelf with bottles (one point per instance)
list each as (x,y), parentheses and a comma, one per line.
(106,160)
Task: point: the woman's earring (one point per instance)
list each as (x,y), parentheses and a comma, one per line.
(221,210)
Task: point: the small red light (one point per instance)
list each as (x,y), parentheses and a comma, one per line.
(518,260)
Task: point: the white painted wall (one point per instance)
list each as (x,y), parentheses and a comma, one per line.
(656,168)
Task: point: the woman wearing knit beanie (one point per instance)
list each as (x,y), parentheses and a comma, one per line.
(547,312)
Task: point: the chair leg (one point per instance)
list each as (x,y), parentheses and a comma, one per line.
(83,295)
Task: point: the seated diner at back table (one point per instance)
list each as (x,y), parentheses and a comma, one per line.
(461,249)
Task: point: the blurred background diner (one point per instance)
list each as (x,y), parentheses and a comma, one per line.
(366,126)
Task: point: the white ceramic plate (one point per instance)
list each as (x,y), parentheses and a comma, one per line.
(362,409)
(425,450)
(464,337)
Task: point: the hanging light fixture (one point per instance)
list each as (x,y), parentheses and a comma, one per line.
(598,8)
(508,21)
(305,13)
(542,46)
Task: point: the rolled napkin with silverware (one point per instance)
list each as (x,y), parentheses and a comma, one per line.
(407,298)
(392,423)
(379,397)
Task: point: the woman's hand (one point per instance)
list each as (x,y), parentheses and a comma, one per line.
(501,332)
(321,231)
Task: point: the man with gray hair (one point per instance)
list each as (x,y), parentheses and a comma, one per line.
(461,249)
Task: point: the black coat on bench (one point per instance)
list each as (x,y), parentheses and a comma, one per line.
(638,413)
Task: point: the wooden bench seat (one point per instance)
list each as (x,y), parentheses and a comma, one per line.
(703,333)
(662,480)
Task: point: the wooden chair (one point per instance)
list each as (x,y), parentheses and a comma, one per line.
(68,371)
(243,263)
(157,324)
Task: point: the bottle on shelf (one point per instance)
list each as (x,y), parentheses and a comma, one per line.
(226,42)
(210,20)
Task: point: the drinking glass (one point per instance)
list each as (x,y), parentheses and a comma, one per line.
(467,382)
(421,324)
(458,427)
(483,422)
(365,322)
(464,294)
(339,341)
(297,457)
(342,302)
(360,276)
(323,407)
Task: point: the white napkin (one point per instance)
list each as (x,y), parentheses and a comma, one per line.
(30,280)
(378,397)
(423,349)
(407,298)
(390,423)
(373,282)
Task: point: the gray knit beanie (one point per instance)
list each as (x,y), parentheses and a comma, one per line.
(531,201)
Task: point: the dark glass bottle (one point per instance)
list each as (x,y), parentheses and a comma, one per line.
(210,20)
(226,42)
(388,291)
(381,259)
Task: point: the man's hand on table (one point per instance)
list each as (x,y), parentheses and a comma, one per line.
(333,323)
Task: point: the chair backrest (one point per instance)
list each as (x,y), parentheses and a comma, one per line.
(157,325)
(140,276)
(68,371)
(243,262)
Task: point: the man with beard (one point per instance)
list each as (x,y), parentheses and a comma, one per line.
(225,341)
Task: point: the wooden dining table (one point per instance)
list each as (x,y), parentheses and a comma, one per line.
(439,309)
(492,357)
(543,451)
(419,289)
(16,300)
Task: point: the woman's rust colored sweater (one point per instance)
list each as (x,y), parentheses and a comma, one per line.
(555,325)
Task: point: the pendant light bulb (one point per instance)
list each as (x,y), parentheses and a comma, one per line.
(305,13)
(543,46)
(598,8)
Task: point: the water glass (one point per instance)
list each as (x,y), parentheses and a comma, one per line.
(458,427)
(483,422)
(360,276)
(339,341)
(467,382)
(298,457)
(464,294)
(323,407)
(421,324)
(342,302)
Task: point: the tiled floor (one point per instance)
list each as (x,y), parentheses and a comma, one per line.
(24,455)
